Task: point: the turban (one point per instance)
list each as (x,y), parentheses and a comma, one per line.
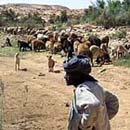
(79,64)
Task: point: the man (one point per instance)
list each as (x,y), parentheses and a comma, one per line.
(92,106)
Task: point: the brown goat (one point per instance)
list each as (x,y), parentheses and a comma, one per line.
(37,45)
(57,47)
(97,53)
(104,47)
(30,38)
(105,40)
(83,47)
(49,46)
(76,44)
(119,51)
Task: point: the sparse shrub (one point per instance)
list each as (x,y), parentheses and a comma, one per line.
(119,34)
(8,17)
(124,61)
(31,20)
(64,17)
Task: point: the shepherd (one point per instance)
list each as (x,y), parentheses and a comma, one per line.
(92,106)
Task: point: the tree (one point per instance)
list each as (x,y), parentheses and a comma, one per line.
(32,20)
(126,4)
(64,17)
(100,4)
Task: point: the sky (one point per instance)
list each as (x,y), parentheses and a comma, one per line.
(72,4)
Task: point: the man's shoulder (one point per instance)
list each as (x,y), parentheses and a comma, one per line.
(86,96)
(89,85)
(92,87)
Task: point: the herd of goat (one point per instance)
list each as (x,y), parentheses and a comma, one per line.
(72,44)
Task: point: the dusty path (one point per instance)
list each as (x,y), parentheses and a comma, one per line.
(33,102)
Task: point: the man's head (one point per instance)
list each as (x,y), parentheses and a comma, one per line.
(77,69)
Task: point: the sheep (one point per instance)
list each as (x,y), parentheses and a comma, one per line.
(17,62)
(42,37)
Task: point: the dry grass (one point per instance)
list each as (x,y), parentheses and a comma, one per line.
(34,102)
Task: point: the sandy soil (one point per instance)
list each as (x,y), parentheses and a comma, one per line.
(33,102)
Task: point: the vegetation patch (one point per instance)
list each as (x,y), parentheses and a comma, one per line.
(124,61)
(119,34)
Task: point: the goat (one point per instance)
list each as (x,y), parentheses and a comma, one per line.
(23,45)
(98,54)
(119,51)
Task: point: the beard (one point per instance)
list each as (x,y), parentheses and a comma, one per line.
(72,80)
(68,81)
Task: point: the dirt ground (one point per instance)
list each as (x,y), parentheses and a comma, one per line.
(33,102)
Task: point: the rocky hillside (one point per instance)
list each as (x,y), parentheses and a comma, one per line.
(32,7)
(44,10)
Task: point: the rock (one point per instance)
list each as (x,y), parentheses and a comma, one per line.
(57,71)
(34,77)
(41,74)
(102,70)
(24,69)
(67,104)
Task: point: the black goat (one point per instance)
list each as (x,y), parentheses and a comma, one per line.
(95,41)
(22,45)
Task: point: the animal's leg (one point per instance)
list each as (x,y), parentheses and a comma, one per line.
(23,49)
(102,61)
(92,61)
(33,47)
(117,55)
(53,69)
(98,60)
(18,66)
(15,67)
(49,69)
(30,48)
(20,48)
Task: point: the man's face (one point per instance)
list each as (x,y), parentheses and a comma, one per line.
(68,79)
